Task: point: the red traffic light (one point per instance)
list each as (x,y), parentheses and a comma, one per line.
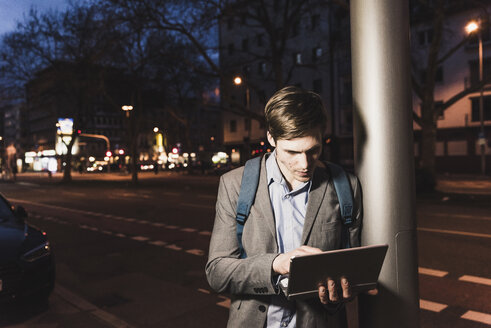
(174,150)
(108,153)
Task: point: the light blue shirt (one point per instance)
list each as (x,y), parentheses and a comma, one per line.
(289,209)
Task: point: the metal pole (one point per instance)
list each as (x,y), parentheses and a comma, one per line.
(384,156)
(481,108)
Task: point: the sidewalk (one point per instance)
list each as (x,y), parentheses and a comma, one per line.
(65,309)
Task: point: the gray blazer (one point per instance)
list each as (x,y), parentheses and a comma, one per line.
(249,280)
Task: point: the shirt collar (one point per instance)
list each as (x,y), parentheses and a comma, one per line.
(274,174)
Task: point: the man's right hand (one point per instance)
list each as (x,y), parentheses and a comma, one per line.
(281,263)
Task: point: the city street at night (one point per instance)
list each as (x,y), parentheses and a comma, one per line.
(135,256)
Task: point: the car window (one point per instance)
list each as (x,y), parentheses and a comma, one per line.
(5,212)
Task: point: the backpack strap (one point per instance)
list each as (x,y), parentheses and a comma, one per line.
(247,194)
(345,198)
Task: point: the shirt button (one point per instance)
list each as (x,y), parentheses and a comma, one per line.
(287,196)
(284,324)
(262,308)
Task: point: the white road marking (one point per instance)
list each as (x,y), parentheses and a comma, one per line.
(204,291)
(140,238)
(189,230)
(197,252)
(107,232)
(157,243)
(205,233)
(431,306)
(432,272)
(476,280)
(477,316)
(453,232)
(174,247)
(121,235)
(225,303)
(198,206)
(107,216)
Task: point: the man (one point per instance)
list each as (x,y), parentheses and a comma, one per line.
(296,212)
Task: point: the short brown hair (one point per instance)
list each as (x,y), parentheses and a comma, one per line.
(293,112)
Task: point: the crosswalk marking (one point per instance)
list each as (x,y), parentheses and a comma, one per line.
(477,280)
(432,272)
(432,306)
(477,316)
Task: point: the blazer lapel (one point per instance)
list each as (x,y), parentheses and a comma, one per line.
(320,181)
(263,200)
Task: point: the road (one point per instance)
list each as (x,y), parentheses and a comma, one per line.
(138,253)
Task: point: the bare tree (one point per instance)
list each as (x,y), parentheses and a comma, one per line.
(64,49)
(425,69)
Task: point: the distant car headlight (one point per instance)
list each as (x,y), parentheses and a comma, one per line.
(37,252)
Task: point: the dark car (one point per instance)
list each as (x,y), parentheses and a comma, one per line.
(27,269)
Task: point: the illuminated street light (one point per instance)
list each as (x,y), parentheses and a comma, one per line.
(127,109)
(472,27)
(237,80)
(475,27)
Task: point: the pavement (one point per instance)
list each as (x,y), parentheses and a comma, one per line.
(66,309)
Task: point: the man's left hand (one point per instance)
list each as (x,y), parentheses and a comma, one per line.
(328,291)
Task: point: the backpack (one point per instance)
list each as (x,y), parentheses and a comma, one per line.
(250,182)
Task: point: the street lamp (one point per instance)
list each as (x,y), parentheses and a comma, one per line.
(127,109)
(473,27)
(238,81)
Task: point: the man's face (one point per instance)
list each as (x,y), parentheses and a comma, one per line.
(296,157)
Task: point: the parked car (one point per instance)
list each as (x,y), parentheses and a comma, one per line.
(27,267)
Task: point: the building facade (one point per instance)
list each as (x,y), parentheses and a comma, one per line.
(458,126)
(270,46)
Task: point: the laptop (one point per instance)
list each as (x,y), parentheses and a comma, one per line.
(360,265)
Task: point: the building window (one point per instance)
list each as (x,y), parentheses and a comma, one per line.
(298,58)
(233,126)
(261,68)
(474,68)
(317,86)
(230,23)
(243,18)
(314,21)
(247,124)
(295,28)
(316,54)
(439,109)
(260,39)
(486,109)
(231,49)
(425,37)
(245,44)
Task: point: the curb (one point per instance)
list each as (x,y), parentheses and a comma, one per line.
(90,308)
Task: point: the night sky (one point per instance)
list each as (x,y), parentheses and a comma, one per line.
(12,11)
